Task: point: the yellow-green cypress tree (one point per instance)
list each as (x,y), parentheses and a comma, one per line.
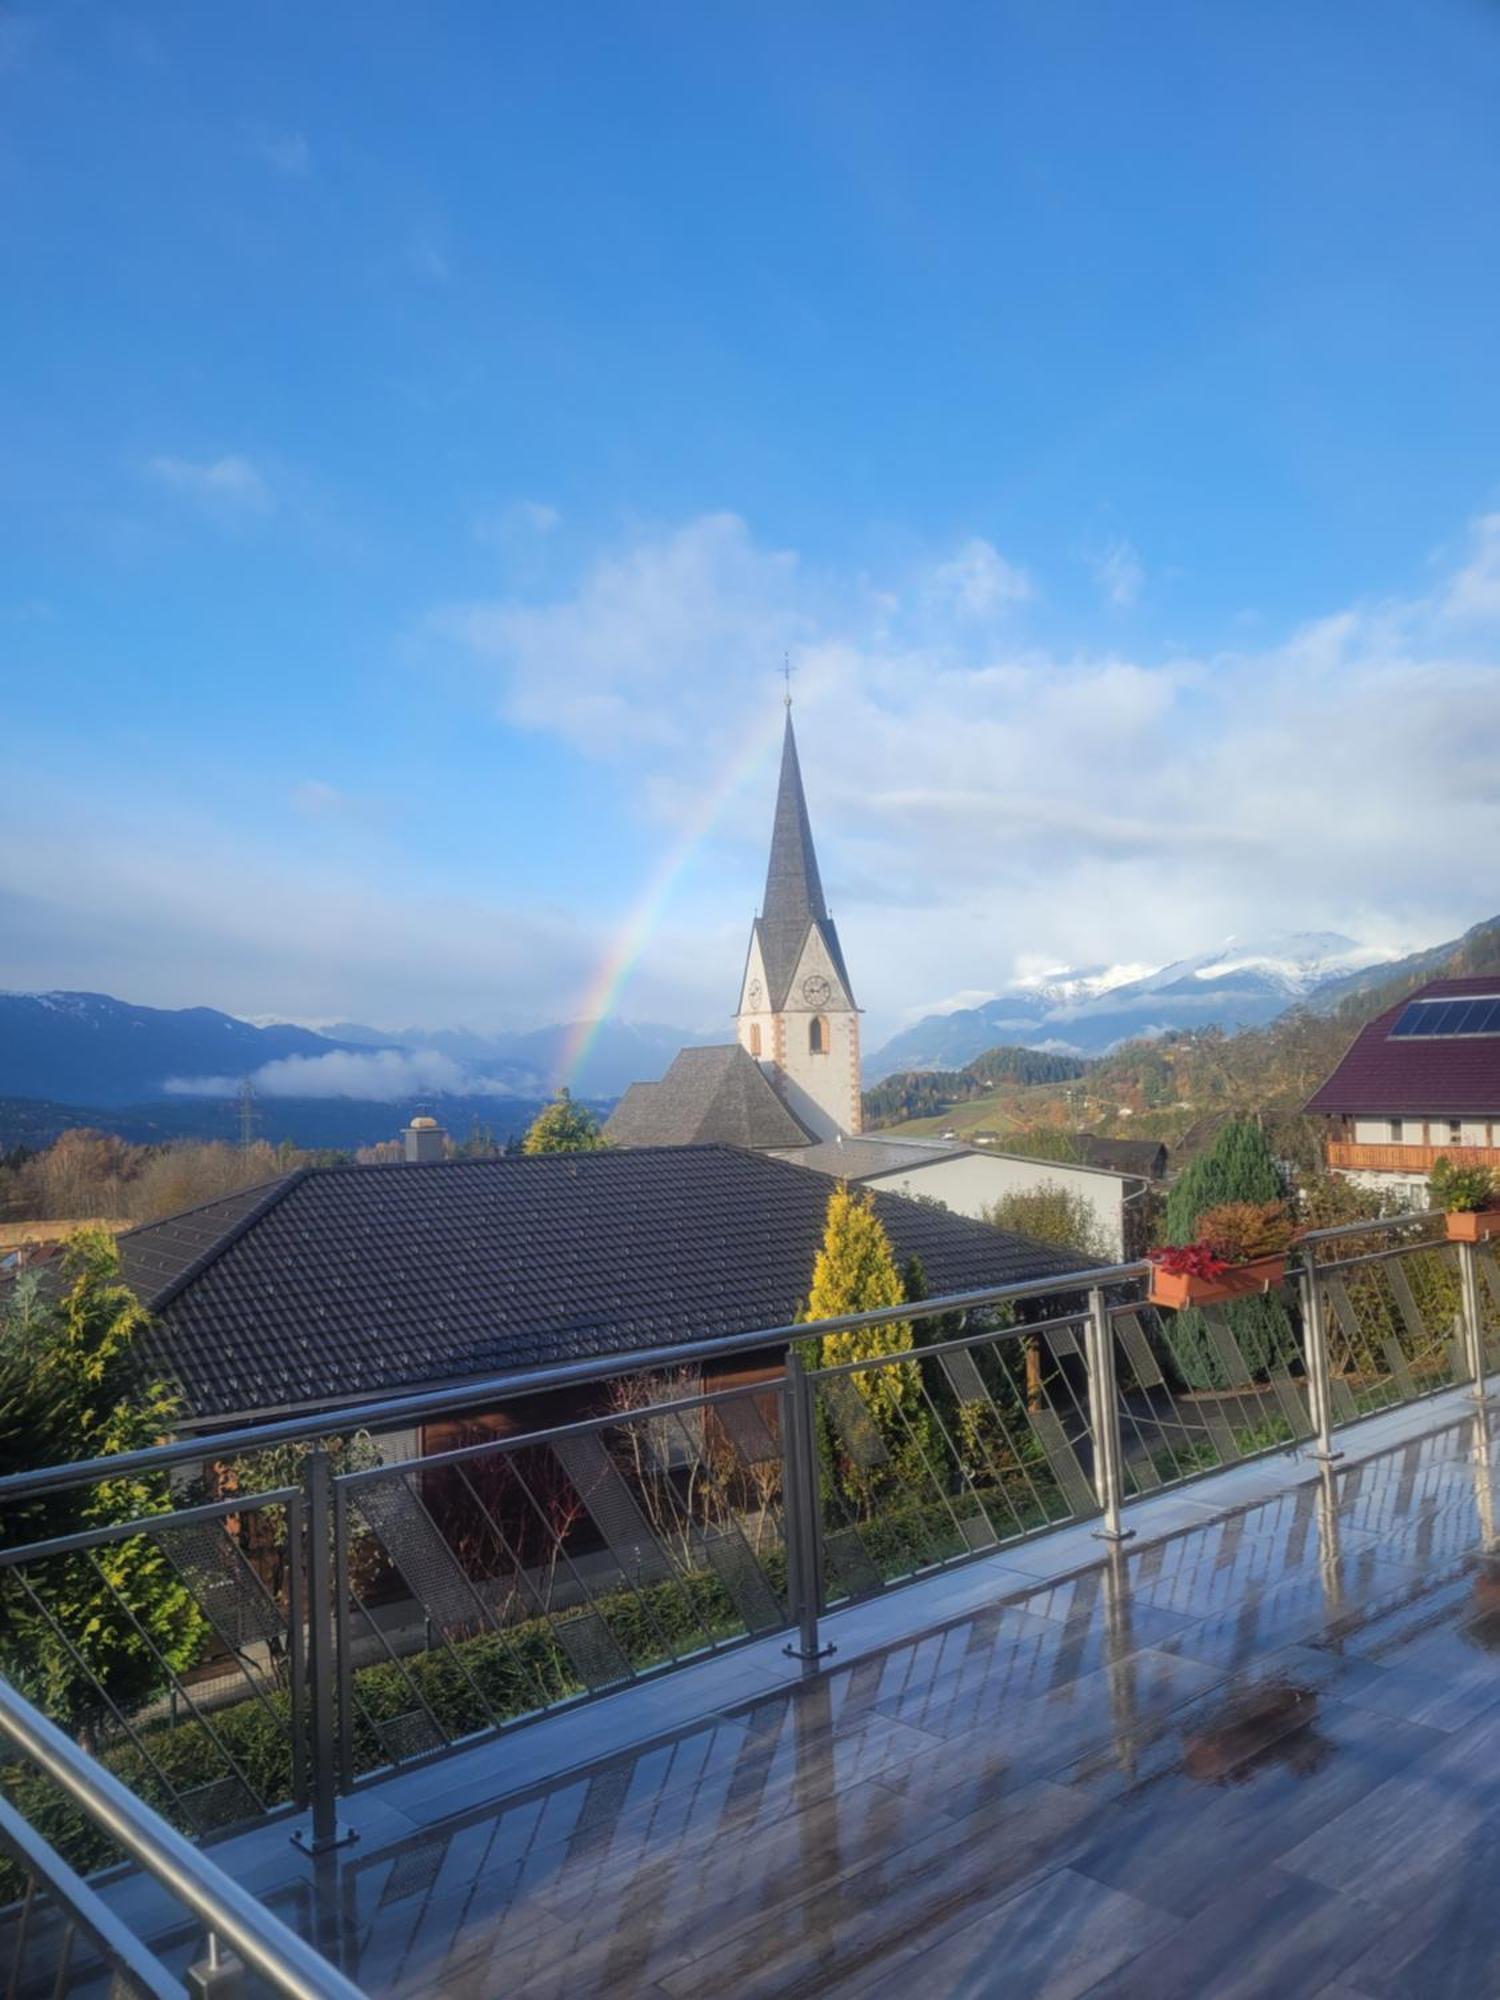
(856,1272)
(564,1127)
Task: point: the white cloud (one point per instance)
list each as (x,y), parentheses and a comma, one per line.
(982,804)
(285,153)
(228,485)
(979,799)
(427,257)
(1120,574)
(535,515)
(117,896)
(978,582)
(653,638)
(1474,592)
(522,522)
(382,1075)
(315,799)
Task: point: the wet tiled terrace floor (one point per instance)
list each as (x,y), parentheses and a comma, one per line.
(1260,1754)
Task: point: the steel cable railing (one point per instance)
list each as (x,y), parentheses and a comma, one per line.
(365,1615)
(232,1918)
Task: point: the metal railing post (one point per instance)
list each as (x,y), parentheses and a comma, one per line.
(1468,1279)
(1104,1418)
(218,1975)
(238,1920)
(801,1509)
(1315,1359)
(322,1664)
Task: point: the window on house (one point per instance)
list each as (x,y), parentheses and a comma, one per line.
(755,1038)
(1395,1131)
(1455,1132)
(817,1036)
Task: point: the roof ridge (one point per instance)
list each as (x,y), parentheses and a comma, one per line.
(276,1192)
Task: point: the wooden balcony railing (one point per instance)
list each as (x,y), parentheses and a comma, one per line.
(1407,1159)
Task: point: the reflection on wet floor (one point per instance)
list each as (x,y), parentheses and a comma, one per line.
(1262,1755)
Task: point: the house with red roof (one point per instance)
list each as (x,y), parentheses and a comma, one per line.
(1420,1081)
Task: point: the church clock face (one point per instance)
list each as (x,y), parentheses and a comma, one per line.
(754,995)
(816,991)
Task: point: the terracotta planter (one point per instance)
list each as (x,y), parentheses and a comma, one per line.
(1473,1225)
(1176,1289)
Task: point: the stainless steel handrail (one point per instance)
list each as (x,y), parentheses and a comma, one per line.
(395,1410)
(228,1911)
(450,1397)
(1369,1228)
(144,1972)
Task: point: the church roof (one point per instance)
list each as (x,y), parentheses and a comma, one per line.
(715,1096)
(793,901)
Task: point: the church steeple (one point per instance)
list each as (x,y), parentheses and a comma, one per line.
(797,1014)
(793,886)
(793,901)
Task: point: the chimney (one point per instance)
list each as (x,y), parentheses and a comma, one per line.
(425,1140)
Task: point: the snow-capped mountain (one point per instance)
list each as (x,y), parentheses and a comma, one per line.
(1241,983)
(1068,985)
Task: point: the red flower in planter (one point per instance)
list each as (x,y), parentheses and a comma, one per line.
(1189,1260)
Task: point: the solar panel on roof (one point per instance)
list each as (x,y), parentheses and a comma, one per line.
(1479,1015)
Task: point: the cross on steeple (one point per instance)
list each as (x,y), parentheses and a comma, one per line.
(786,675)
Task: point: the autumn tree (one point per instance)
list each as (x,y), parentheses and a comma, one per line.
(1053,1214)
(564,1127)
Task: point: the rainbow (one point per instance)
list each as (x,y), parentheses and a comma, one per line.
(601,996)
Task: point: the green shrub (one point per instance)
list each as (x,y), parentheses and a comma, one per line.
(1460,1190)
(1262,1332)
(1239,1166)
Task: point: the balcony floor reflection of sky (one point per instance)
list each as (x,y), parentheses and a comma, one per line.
(1257,1754)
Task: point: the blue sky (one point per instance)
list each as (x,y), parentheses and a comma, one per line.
(426,428)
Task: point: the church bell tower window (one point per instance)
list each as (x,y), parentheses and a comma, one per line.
(755,1038)
(817,1036)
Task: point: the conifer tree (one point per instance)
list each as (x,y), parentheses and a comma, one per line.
(101,1628)
(564,1127)
(1239,1166)
(856,1272)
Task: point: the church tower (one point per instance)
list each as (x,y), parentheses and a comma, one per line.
(797,1015)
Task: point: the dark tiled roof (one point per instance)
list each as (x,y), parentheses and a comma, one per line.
(354,1281)
(717,1096)
(1455,1076)
(1147,1157)
(794,890)
(155,1258)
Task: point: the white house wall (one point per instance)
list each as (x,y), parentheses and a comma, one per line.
(971,1183)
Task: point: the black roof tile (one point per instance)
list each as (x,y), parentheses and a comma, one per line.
(344,1282)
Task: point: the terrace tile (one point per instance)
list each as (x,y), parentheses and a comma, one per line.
(1253,1751)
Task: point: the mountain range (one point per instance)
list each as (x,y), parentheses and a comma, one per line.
(176,1072)
(1089,1010)
(92,1049)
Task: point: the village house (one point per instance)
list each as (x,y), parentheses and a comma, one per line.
(1420,1082)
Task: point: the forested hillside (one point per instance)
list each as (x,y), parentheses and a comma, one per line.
(925,1093)
(1181,1087)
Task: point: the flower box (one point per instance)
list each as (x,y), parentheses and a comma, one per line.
(1472,1225)
(1176,1289)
